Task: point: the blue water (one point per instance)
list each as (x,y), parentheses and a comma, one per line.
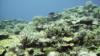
(27,9)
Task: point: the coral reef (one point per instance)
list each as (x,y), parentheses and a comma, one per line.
(72,32)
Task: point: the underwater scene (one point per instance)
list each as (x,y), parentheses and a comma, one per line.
(60,30)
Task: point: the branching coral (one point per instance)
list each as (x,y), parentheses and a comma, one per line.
(60,33)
